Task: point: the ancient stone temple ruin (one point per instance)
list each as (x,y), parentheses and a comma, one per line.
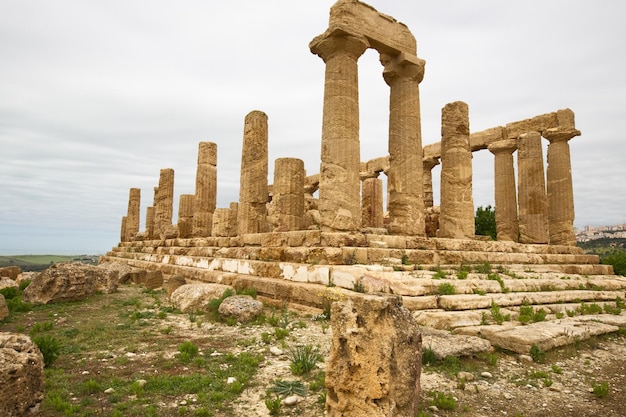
(306,231)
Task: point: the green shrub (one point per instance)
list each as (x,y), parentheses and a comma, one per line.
(187,351)
(443,401)
(446,289)
(600,390)
(537,354)
(428,356)
(618,260)
(303,359)
(49,347)
(497,315)
(10,292)
(485,268)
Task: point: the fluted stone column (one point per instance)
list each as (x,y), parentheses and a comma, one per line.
(340,186)
(150,211)
(428,164)
(288,193)
(559,186)
(533,202)
(131,228)
(220,223)
(164,205)
(505,191)
(372,206)
(253,191)
(185,215)
(403,73)
(206,189)
(457,205)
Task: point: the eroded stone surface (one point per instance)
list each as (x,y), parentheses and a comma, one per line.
(362,377)
(21,376)
(193,298)
(242,308)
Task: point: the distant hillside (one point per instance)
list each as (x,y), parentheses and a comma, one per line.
(41,262)
(603,246)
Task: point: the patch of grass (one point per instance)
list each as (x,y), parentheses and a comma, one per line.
(527,314)
(428,356)
(49,346)
(446,289)
(41,327)
(592,308)
(463,272)
(187,351)
(303,359)
(537,354)
(600,390)
(273,405)
(439,273)
(498,278)
(358,286)
(496,314)
(443,401)
(484,268)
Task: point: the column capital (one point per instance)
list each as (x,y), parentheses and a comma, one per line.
(503,146)
(430,162)
(560,134)
(338,41)
(402,65)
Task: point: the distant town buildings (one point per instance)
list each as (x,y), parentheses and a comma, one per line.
(598,232)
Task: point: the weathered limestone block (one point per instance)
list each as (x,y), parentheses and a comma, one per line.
(443,343)
(153,280)
(339,183)
(185,215)
(4,309)
(123,270)
(372,205)
(206,189)
(21,376)
(193,298)
(8,282)
(10,272)
(242,308)
(375,360)
(164,204)
(507,227)
(288,194)
(70,282)
(132,216)
(253,191)
(457,205)
(150,222)
(532,198)
(403,73)
(174,282)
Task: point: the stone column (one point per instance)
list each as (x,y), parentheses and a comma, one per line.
(132,216)
(428,164)
(372,207)
(124,230)
(505,193)
(186,215)
(559,184)
(206,189)
(403,73)
(233,213)
(288,199)
(340,185)
(457,205)
(253,191)
(220,223)
(164,202)
(532,198)
(150,215)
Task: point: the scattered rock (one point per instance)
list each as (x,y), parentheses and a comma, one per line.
(109,391)
(122,269)
(486,375)
(276,351)
(70,282)
(25,276)
(174,282)
(291,400)
(21,375)
(465,376)
(10,272)
(153,280)
(8,283)
(191,298)
(141,382)
(242,308)
(231,380)
(443,343)
(138,276)
(4,309)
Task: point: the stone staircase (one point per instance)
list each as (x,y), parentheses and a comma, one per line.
(473,287)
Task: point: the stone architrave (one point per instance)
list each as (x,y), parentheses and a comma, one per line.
(374,364)
(532,198)
(372,213)
(339,183)
(428,164)
(505,191)
(186,215)
(403,73)
(206,189)
(164,206)
(253,191)
(132,216)
(559,186)
(288,193)
(456,219)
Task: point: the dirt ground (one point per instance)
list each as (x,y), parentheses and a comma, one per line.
(499,384)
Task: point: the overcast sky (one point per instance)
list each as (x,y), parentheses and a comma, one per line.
(97,96)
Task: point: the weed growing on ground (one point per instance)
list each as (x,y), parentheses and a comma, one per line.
(303,359)
(485,268)
(443,401)
(446,289)
(463,272)
(284,388)
(600,390)
(49,346)
(498,278)
(273,405)
(496,314)
(527,314)
(537,354)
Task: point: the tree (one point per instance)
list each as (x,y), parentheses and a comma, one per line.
(618,260)
(485,221)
